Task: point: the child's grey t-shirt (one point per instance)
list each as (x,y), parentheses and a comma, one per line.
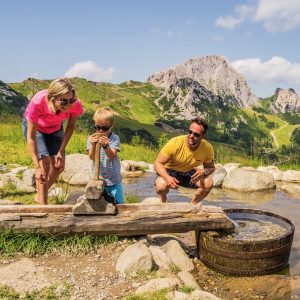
(109,170)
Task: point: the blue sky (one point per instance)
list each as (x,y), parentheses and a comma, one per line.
(114,41)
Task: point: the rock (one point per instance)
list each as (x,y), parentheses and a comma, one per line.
(55,192)
(151,200)
(175,295)
(188,279)
(248,168)
(291,176)
(177,255)
(231,166)
(273,170)
(131,165)
(3,168)
(150,168)
(77,170)
(218,176)
(29,177)
(248,180)
(18,169)
(7,178)
(134,258)
(292,189)
(94,189)
(201,295)
(141,165)
(72,197)
(158,284)
(160,257)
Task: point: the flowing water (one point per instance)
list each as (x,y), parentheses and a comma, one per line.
(279,286)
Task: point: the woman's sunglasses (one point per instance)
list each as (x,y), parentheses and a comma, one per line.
(103,128)
(64,102)
(196,134)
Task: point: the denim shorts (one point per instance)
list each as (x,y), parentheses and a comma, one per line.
(47,144)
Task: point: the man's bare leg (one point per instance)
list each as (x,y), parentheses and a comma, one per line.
(204,187)
(161,189)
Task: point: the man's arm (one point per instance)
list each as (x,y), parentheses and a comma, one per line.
(209,168)
(159,166)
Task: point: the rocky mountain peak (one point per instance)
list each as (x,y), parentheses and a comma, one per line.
(214,73)
(286,100)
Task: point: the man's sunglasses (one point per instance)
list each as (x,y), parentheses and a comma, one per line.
(64,102)
(196,134)
(103,128)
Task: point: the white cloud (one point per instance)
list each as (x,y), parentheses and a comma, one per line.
(278,15)
(275,15)
(275,70)
(218,38)
(91,71)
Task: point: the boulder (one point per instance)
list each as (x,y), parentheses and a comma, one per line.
(188,280)
(158,284)
(55,192)
(135,258)
(291,176)
(3,168)
(273,170)
(160,258)
(176,295)
(231,166)
(218,176)
(248,180)
(292,189)
(202,295)
(29,177)
(77,170)
(151,200)
(177,256)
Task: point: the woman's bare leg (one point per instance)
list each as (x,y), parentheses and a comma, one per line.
(42,188)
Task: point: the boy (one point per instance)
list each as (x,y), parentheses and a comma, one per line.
(110,168)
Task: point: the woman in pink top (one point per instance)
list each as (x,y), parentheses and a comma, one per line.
(43,130)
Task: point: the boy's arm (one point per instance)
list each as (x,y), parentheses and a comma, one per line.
(111,148)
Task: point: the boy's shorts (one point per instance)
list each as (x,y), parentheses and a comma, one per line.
(47,144)
(184,178)
(116,191)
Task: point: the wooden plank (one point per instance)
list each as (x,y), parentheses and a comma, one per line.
(132,219)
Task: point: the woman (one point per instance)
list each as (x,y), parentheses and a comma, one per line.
(43,130)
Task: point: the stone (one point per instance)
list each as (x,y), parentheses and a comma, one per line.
(142,165)
(176,295)
(273,170)
(160,258)
(158,284)
(136,257)
(94,189)
(72,197)
(202,295)
(292,189)
(218,176)
(93,207)
(291,176)
(3,168)
(188,279)
(55,192)
(248,180)
(7,178)
(231,166)
(77,170)
(29,177)
(177,256)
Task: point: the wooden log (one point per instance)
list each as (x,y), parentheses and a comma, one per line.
(132,219)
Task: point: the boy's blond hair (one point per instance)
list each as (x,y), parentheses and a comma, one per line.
(104,114)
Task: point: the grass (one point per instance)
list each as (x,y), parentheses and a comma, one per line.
(52,292)
(186,289)
(284,134)
(32,244)
(158,295)
(132,198)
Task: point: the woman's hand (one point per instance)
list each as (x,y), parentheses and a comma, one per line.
(40,175)
(59,161)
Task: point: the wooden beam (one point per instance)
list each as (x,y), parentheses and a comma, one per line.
(132,219)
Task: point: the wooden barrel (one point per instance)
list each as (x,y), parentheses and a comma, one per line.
(247,258)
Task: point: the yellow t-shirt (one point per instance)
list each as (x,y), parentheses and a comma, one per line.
(182,158)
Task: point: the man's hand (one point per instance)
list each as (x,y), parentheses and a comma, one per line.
(172,182)
(197,175)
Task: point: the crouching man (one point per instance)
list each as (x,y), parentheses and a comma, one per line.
(177,162)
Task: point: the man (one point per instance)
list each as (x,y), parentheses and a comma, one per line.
(177,163)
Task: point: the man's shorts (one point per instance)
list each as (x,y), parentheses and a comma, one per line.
(184,178)
(47,144)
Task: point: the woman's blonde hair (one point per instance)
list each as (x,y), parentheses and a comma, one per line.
(58,87)
(104,114)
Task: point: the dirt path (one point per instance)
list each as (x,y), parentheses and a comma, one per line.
(274,136)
